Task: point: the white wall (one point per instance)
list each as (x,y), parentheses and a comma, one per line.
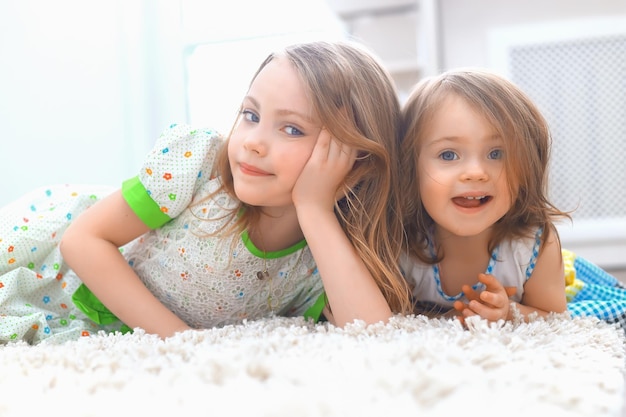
(87,86)
(83,92)
(465,26)
(222,55)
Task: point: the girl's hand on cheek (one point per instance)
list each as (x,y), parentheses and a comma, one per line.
(324,172)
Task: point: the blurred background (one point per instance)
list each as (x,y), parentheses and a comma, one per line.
(87,86)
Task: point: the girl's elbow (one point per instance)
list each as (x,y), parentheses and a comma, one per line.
(70,242)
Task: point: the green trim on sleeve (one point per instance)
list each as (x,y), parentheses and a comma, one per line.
(93,308)
(142,204)
(315,311)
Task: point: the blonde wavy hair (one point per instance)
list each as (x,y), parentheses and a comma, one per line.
(527,139)
(356,101)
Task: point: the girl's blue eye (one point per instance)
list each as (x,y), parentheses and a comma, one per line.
(290,130)
(496,154)
(250,116)
(448,156)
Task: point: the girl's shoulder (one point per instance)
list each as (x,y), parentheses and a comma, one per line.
(519,254)
(185,144)
(523,246)
(180,163)
(182,131)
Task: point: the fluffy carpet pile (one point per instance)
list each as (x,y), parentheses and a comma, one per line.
(288,367)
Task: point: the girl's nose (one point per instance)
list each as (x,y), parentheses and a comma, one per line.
(474,170)
(255,141)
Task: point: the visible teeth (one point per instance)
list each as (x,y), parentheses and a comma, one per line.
(476,198)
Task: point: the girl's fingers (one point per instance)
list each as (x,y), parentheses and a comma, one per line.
(470,293)
(329,148)
(322,146)
(341,152)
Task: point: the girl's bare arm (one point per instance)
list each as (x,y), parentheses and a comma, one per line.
(351,290)
(545,290)
(90,247)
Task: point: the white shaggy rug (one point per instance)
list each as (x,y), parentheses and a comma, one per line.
(412,366)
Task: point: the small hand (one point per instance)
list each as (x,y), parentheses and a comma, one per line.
(491,304)
(322,176)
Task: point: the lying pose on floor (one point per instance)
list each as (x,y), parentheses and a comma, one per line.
(291,214)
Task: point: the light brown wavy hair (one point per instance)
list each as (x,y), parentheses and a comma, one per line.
(356,101)
(527,141)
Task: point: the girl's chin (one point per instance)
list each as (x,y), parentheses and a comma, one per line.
(457,230)
(256,200)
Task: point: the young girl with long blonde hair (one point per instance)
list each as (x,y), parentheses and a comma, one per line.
(294,213)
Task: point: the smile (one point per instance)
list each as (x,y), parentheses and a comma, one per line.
(471,201)
(252,170)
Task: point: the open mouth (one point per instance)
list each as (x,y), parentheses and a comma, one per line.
(471,202)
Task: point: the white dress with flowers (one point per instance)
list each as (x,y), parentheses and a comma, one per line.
(204,279)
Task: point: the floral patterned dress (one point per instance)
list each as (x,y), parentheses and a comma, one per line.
(205,279)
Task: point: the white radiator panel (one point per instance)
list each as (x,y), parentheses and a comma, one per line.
(576,73)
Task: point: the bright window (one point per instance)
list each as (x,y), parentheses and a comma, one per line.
(225,43)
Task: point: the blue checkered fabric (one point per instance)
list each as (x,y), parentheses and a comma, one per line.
(602,295)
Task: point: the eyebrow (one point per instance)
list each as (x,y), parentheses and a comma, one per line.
(492,138)
(428,143)
(282,112)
